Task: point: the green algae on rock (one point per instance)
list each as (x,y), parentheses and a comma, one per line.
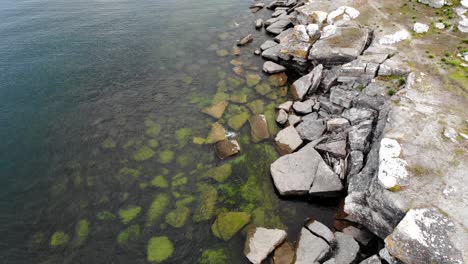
(159,249)
(198,140)
(59,239)
(220,173)
(257,106)
(217,133)
(213,256)
(183,135)
(105,216)
(157,208)
(129,171)
(185,159)
(166,156)
(129,213)
(153,130)
(184,200)
(228,224)
(237,121)
(143,153)
(109,143)
(128,235)
(206,203)
(81,232)
(179,179)
(160,182)
(216,110)
(153,143)
(263,88)
(252,79)
(239,97)
(178,217)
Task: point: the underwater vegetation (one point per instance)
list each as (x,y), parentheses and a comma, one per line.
(159,249)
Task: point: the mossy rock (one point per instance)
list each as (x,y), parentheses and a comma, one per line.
(128,235)
(278,79)
(217,133)
(270,115)
(105,216)
(153,131)
(257,106)
(143,153)
(199,140)
(185,160)
(166,156)
(129,171)
(184,200)
(239,98)
(267,218)
(109,143)
(81,232)
(252,79)
(157,208)
(216,110)
(220,173)
(159,249)
(179,179)
(263,88)
(178,217)
(235,82)
(206,203)
(160,182)
(250,190)
(183,135)
(153,143)
(229,223)
(129,213)
(213,256)
(59,239)
(220,97)
(237,121)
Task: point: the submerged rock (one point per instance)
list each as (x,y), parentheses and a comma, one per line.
(159,249)
(245,40)
(258,128)
(226,148)
(310,248)
(81,232)
(261,242)
(217,133)
(213,256)
(128,235)
(288,140)
(216,110)
(143,153)
(177,218)
(220,173)
(252,79)
(157,208)
(206,203)
(129,213)
(284,254)
(228,224)
(59,239)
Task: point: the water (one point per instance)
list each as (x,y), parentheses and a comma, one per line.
(85,85)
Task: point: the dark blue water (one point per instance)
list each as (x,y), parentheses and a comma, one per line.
(76,73)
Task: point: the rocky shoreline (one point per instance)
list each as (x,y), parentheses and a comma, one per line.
(335,139)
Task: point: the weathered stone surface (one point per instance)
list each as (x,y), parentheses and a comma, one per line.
(310,248)
(301,86)
(311,117)
(311,129)
(288,140)
(216,110)
(326,182)
(330,261)
(346,248)
(357,115)
(294,119)
(343,97)
(337,124)
(284,254)
(283,34)
(281,3)
(392,170)
(394,66)
(278,13)
(330,79)
(355,162)
(428,233)
(261,241)
(359,136)
(433,3)
(303,107)
(342,13)
(374,259)
(258,128)
(330,107)
(281,117)
(279,26)
(295,44)
(320,230)
(286,106)
(245,40)
(293,174)
(259,23)
(272,53)
(335,148)
(308,14)
(271,67)
(344,46)
(360,235)
(268,44)
(383,254)
(373,96)
(227,148)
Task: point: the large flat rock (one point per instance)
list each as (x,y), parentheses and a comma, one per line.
(310,248)
(261,241)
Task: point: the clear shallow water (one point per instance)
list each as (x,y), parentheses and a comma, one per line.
(81,82)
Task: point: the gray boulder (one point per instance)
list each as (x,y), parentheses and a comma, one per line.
(346,249)
(283,34)
(226,148)
(281,117)
(259,23)
(261,242)
(394,66)
(294,119)
(326,182)
(268,44)
(286,106)
(311,129)
(279,26)
(355,162)
(310,248)
(373,96)
(329,79)
(360,235)
(359,136)
(344,97)
(272,53)
(357,115)
(307,84)
(335,148)
(245,40)
(321,231)
(337,124)
(271,67)
(330,107)
(374,259)
(304,107)
(288,140)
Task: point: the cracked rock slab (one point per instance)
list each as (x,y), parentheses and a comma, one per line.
(261,242)
(310,248)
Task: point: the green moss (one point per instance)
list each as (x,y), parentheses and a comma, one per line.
(185,200)
(257,106)
(179,179)
(157,208)
(252,79)
(235,82)
(220,97)
(159,249)
(198,140)
(185,160)
(217,133)
(263,88)
(128,235)
(270,115)
(250,190)
(108,143)
(153,131)
(143,153)
(128,171)
(206,203)
(228,224)
(183,135)
(153,143)
(220,173)
(237,121)
(177,218)
(239,98)
(213,256)
(395,188)
(166,156)
(81,232)
(129,213)
(160,182)
(59,239)
(267,218)
(105,216)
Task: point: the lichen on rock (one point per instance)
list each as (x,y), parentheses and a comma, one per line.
(157,208)
(159,249)
(129,213)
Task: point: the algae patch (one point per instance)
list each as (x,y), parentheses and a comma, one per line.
(129,213)
(159,249)
(228,224)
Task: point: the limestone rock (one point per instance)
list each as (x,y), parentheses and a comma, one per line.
(227,148)
(335,148)
(259,23)
(311,129)
(216,110)
(428,233)
(288,140)
(245,40)
(281,117)
(268,44)
(258,128)
(355,162)
(326,182)
(307,84)
(286,106)
(374,259)
(357,115)
(284,254)
(272,53)
(337,124)
(310,248)
(294,119)
(279,26)
(359,136)
(320,230)
(392,170)
(308,14)
(295,44)
(217,133)
(347,248)
(303,107)
(329,79)
(393,66)
(261,241)
(420,28)
(433,3)
(343,97)
(360,235)
(271,67)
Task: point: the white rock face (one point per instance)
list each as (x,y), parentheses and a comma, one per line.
(286,106)
(463,25)
(439,25)
(301,33)
(395,37)
(288,139)
(464,3)
(433,3)
(328,31)
(392,169)
(420,28)
(310,248)
(346,12)
(313,29)
(263,242)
